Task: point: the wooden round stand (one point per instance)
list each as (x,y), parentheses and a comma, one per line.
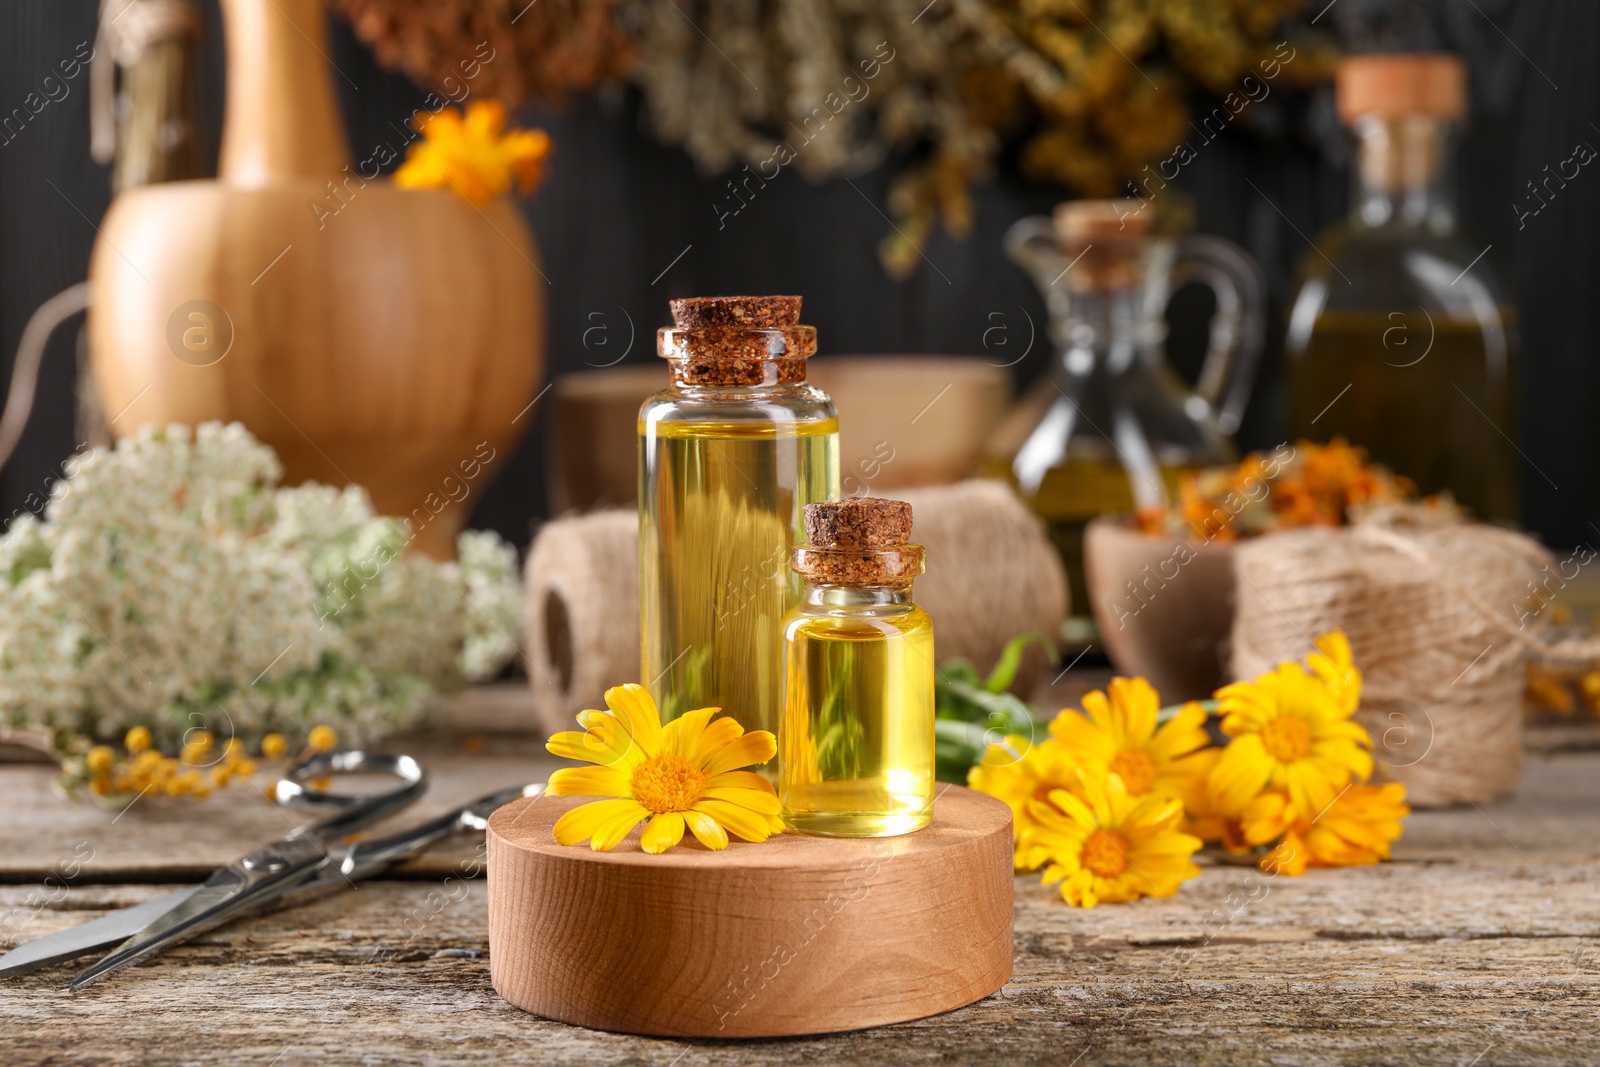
(798,935)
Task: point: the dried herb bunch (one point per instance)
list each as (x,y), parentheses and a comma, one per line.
(1091,91)
(549,50)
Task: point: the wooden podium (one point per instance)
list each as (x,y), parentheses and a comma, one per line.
(798,935)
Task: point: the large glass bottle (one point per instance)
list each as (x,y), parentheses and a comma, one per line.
(729,455)
(1399,338)
(1110,428)
(856,748)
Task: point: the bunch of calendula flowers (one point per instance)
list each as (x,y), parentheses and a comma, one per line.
(1116,801)
(200,766)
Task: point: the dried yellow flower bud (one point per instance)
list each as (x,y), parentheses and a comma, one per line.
(138,740)
(100,759)
(322,738)
(273,746)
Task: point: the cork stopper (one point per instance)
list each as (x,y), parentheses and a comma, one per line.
(736,312)
(1104,239)
(1090,220)
(737,340)
(868,521)
(859,542)
(1432,85)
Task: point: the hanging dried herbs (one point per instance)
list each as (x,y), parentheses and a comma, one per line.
(1089,93)
(542,50)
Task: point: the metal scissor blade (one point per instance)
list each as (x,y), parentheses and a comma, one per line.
(219,899)
(92,936)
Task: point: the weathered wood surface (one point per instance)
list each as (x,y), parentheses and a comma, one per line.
(1479,945)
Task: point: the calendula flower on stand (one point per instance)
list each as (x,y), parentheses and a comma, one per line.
(684,775)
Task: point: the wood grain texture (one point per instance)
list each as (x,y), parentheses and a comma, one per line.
(798,935)
(1479,944)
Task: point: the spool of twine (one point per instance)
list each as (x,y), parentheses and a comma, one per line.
(582,625)
(991,574)
(1438,625)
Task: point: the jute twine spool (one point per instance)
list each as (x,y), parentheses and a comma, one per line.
(582,625)
(1435,617)
(992,574)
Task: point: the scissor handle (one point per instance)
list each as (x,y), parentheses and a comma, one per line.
(355,811)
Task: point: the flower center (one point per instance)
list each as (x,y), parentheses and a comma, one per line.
(668,782)
(1287,738)
(1105,853)
(1137,770)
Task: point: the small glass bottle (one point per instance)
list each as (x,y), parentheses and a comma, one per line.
(729,454)
(856,745)
(1399,339)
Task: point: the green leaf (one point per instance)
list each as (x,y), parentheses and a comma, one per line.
(1005,668)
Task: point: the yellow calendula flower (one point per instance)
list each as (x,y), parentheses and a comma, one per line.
(474,155)
(1290,731)
(1332,663)
(1017,772)
(1207,815)
(1357,827)
(684,774)
(1117,732)
(1105,845)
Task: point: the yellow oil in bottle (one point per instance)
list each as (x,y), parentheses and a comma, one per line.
(720,511)
(1078,489)
(857,740)
(1430,398)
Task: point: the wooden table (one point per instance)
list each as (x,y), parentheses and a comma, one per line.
(1477,945)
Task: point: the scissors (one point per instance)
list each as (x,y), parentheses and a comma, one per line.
(308,862)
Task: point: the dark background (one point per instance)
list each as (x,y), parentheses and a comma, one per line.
(617,208)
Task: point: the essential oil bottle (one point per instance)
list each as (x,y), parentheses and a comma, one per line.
(729,454)
(856,745)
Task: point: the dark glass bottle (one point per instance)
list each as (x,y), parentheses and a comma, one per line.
(1399,338)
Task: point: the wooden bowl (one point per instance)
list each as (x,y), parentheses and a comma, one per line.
(903,421)
(1164,606)
(594,435)
(799,935)
(907,421)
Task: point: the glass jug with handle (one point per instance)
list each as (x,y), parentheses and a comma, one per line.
(1110,428)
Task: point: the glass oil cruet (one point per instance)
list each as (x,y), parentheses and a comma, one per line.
(1110,428)
(1399,339)
(730,453)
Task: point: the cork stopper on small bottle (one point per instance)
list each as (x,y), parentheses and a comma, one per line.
(737,340)
(859,542)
